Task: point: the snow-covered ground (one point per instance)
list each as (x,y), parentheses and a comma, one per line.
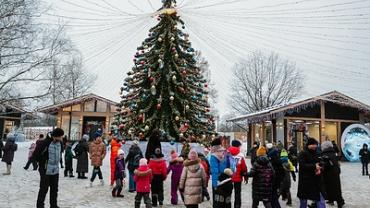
(19,190)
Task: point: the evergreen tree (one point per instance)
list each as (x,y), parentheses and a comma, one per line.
(165,89)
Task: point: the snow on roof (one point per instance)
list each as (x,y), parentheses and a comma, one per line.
(84,98)
(334,96)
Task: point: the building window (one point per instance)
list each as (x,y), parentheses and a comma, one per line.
(90,106)
(101,106)
(67,109)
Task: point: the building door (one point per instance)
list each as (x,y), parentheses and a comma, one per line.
(93,124)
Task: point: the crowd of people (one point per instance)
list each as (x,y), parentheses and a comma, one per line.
(273,167)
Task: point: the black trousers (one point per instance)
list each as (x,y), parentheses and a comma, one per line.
(157,190)
(147,201)
(192,206)
(238,194)
(96,171)
(266,204)
(47,181)
(29,162)
(68,165)
(365,168)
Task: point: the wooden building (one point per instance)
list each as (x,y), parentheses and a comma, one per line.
(322,117)
(10,118)
(83,115)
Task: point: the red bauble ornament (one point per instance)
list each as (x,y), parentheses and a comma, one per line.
(151,79)
(184,72)
(159,106)
(142,62)
(141,117)
(159,19)
(123,142)
(205,85)
(186,125)
(121,126)
(173,49)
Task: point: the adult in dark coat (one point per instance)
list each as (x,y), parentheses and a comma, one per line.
(81,151)
(9,149)
(309,181)
(1,147)
(253,151)
(364,157)
(274,157)
(132,160)
(153,143)
(46,154)
(262,173)
(331,174)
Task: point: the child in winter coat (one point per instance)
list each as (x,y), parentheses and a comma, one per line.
(9,149)
(143,177)
(97,152)
(192,181)
(224,189)
(176,166)
(239,168)
(159,169)
(263,174)
(30,152)
(68,160)
(119,173)
(286,182)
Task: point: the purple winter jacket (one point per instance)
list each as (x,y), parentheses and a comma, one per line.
(120,169)
(176,167)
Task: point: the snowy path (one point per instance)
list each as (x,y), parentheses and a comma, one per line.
(20,189)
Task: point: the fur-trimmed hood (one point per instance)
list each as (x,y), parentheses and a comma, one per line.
(143,171)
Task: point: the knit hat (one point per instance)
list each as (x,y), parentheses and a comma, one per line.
(98,134)
(193,155)
(311,141)
(261,151)
(57,132)
(228,172)
(326,145)
(174,154)
(85,137)
(143,162)
(269,145)
(283,153)
(120,152)
(216,145)
(236,143)
(10,137)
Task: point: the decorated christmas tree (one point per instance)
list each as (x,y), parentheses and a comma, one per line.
(165,89)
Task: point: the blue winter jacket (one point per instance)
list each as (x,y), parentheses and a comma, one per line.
(217,167)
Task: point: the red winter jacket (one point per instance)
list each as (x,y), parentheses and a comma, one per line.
(158,166)
(241,170)
(143,178)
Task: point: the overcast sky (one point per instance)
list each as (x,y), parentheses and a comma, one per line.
(328,40)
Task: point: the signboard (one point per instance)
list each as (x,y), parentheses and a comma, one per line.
(353,138)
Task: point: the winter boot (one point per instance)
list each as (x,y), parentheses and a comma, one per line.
(137,204)
(8,167)
(114,192)
(119,193)
(83,176)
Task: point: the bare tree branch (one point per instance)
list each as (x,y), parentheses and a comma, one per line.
(264,81)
